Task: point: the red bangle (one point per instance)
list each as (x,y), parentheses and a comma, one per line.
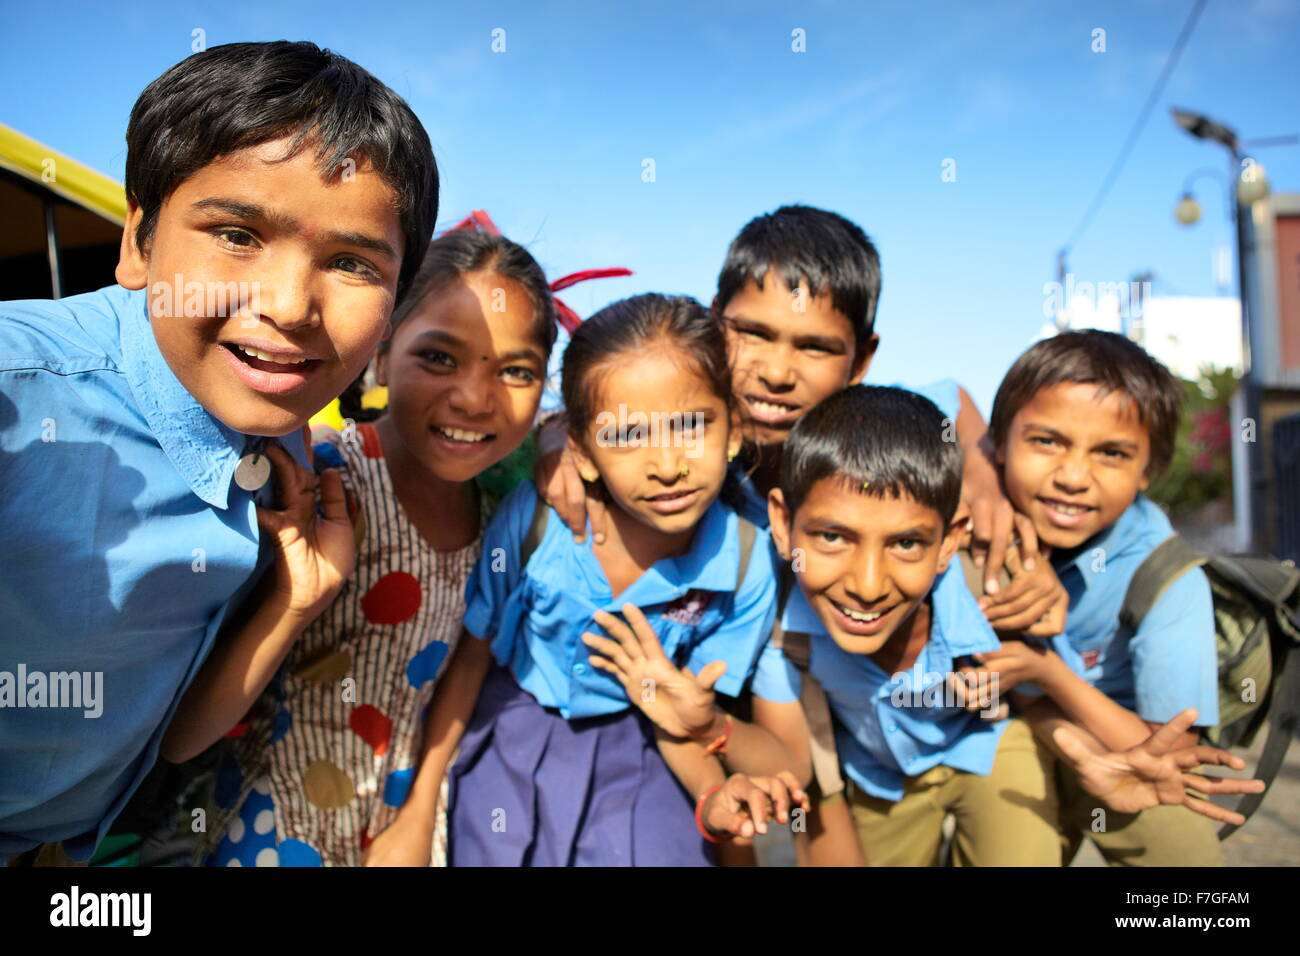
(719,746)
(699,820)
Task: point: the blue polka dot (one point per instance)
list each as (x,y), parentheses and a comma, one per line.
(397,786)
(297,853)
(424,665)
(326,455)
(281,725)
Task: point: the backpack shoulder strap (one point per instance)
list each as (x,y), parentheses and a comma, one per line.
(747,534)
(536,530)
(1171,559)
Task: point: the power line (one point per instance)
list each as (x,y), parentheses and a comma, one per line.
(1131,141)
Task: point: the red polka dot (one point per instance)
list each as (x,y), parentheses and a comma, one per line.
(394,598)
(372,726)
(369,440)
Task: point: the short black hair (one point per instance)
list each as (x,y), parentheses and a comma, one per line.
(1114,363)
(240,95)
(880,441)
(818,251)
(465,251)
(633,325)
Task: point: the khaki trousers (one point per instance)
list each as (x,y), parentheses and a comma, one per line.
(1008,818)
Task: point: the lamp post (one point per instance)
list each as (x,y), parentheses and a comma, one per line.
(1250,186)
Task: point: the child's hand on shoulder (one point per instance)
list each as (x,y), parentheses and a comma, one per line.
(743,805)
(679,702)
(1034,602)
(315,553)
(561,486)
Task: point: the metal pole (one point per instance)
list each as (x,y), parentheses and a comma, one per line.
(1257,478)
(52,245)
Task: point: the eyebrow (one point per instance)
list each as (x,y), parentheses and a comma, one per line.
(252,211)
(831,344)
(446,338)
(1111,442)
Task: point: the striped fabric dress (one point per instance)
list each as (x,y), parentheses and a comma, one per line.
(329,753)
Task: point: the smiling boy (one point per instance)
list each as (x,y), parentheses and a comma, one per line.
(133,436)
(1082,423)
(870,520)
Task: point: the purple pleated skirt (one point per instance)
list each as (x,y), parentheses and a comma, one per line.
(533,789)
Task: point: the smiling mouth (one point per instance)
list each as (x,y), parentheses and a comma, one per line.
(671,502)
(860,617)
(463,435)
(270,361)
(770,410)
(1067,508)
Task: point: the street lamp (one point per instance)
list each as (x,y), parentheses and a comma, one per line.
(1250,186)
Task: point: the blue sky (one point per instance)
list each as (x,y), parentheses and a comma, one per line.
(550,136)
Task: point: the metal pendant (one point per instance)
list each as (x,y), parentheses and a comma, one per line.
(253,471)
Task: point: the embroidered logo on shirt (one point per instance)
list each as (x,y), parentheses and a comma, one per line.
(1090,659)
(688,609)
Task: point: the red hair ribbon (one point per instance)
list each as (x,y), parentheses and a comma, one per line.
(479,219)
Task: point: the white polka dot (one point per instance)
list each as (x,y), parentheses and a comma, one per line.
(268,857)
(264,821)
(262,785)
(236,831)
(233,861)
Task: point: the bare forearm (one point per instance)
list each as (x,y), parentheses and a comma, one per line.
(696,770)
(1116,727)
(235,674)
(449,715)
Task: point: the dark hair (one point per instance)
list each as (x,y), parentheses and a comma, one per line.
(240,95)
(819,251)
(634,325)
(1115,364)
(465,251)
(880,441)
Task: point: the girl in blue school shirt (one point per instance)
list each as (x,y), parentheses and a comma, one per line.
(556,766)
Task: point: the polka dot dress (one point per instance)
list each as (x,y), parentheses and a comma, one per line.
(329,752)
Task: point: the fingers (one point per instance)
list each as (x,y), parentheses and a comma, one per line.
(797,792)
(1028,546)
(1163,740)
(290,477)
(1188,757)
(747,792)
(725,813)
(306,443)
(1076,747)
(1206,784)
(333,499)
(981,524)
(1212,810)
(999,539)
(598,515)
(778,792)
(620,632)
(1024,612)
(647,639)
(709,674)
(609,655)
(571,502)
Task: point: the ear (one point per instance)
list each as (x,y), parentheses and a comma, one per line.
(381,367)
(953,535)
(132,262)
(736,436)
(779,517)
(862,359)
(1145,482)
(586,467)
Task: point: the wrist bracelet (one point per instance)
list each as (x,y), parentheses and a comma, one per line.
(719,746)
(699,817)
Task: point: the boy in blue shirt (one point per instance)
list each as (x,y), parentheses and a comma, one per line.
(279,200)
(1082,423)
(870,520)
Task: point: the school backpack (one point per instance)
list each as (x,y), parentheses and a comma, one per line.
(1256,629)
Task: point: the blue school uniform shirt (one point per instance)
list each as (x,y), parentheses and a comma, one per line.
(535,616)
(1171,662)
(889,727)
(126,542)
(753,505)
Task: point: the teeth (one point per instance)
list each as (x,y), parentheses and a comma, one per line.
(767,408)
(1068,509)
(267,357)
(459,434)
(864,617)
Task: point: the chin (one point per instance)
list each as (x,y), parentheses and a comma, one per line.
(272,423)
(856,644)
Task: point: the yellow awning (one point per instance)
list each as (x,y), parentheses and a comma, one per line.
(62,175)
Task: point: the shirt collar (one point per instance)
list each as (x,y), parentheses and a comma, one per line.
(202,449)
(1112,542)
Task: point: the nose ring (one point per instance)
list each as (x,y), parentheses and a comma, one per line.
(684,470)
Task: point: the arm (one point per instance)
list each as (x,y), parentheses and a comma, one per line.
(408,839)
(981,489)
(314,556)
(558,482)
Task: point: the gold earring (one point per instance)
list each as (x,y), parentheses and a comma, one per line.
(684,470)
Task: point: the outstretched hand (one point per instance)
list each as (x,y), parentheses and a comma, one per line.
(679,702)
(744,805)
(1154,773)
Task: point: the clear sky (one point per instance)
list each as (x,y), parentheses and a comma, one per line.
(550,135)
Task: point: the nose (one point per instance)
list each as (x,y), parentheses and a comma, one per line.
(665,459)
(868,580)
(473,395)
(775,369)
(285,294)
(1073,474)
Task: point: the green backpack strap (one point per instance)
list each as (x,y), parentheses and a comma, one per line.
(1171,559)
